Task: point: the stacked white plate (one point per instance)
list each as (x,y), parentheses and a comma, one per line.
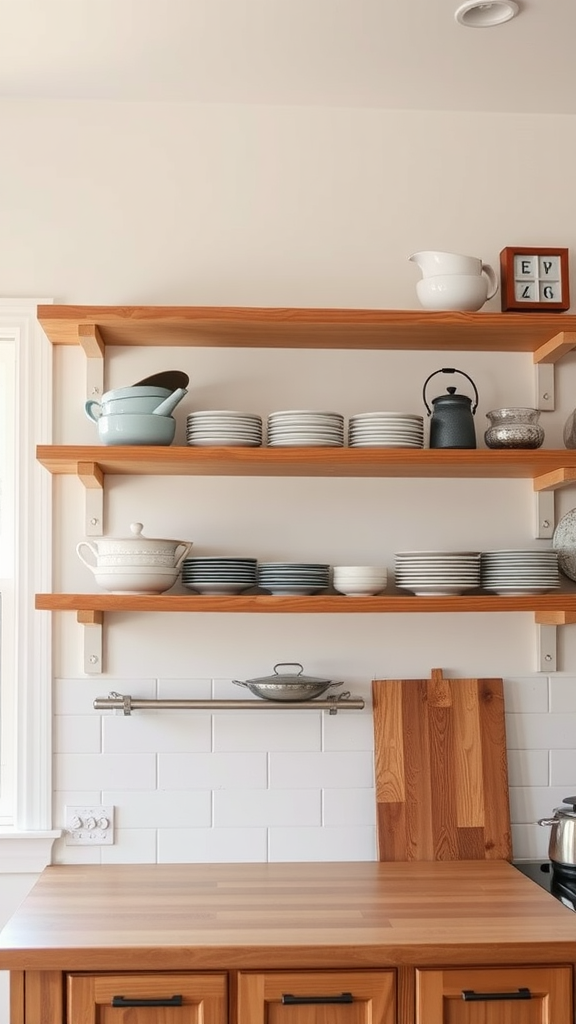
(293,577)
(219,575)
(303,428)
(224,427)
(359,580)
(386,430)
(437,573)
(517,572)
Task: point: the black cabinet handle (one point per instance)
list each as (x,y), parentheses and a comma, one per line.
(121,1001)
(470,996)
(288,1000)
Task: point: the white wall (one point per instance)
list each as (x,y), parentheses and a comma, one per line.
(154,204)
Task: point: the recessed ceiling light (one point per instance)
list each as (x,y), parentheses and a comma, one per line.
(485,13)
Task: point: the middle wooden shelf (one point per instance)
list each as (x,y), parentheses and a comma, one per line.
(549,468)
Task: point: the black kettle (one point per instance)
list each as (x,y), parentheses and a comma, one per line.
(452,423)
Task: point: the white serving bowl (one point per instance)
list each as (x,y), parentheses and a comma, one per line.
(136,428)
(360,589)
(136,579)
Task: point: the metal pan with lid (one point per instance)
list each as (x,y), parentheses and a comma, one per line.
(287,685)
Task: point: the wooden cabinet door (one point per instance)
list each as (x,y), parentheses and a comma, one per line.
(165,998)
(514,995)
(317,997)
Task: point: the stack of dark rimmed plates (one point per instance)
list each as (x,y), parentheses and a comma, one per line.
(224,427)
(305,428)
(516,572)
(219,575)
(437,573)
(386,430)
(293,577)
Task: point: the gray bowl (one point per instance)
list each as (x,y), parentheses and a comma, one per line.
(136,428)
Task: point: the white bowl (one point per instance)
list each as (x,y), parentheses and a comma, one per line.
(359,589)
(136,580)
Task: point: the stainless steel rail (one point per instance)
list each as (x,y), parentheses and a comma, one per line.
(127,704)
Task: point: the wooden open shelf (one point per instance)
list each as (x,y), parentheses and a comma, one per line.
(136,460)
(553,608)
(547,335)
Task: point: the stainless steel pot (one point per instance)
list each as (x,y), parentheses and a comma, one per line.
(562,845)
(287,685)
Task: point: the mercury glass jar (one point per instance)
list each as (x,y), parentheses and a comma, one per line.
(514,428)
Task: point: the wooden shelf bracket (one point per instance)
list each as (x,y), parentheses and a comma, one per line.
(91,475)
(93,623)
(90,339)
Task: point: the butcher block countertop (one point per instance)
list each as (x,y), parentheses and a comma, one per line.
(286,915)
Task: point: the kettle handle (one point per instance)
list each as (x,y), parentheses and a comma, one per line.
(449,369)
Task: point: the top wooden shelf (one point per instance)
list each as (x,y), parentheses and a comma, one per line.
(548,336)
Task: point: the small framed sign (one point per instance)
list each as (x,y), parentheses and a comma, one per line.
(534,280)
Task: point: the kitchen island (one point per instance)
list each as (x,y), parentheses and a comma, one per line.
(386,943)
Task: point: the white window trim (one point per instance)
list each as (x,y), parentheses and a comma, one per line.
(26,844)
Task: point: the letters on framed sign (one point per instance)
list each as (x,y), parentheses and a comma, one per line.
(534,279)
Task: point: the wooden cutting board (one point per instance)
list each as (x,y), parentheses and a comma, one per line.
(441,769)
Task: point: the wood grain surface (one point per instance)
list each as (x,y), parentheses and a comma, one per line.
(441,769)
(270,327)
(293,916)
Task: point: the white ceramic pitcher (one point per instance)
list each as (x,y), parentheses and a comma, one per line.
(452,281)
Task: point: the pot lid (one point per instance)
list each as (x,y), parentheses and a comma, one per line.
(137,535)
(297,678)
(567,812)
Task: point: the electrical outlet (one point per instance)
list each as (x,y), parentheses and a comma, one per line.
(89,826)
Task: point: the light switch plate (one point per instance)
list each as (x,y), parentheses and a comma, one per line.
(89,825)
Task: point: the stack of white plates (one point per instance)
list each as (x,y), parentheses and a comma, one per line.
(224,427)
(520,572)
(386,430)
(293,577)
(437,573)
(302,428)
(219,575)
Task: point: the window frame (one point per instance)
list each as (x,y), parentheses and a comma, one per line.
(26,836)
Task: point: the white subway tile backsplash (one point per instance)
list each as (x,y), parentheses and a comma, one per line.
(160,808)
(349,807)
(73,734)
(131,846)
(185,689)
(530,842)
(527,695)
(351,730)
(76,696)
(563,769)
(72,798)
(62,854)
(322,844)
(212,771)
(201,786)
(157,731)
(563,694)
(103,771)
(214,845)
(262,731)
(267,807)
(535,732)
(527,804)
(334,770)
(528,768)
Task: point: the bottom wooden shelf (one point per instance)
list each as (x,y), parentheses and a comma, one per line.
(552,608)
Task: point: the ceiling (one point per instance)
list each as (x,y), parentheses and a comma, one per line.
(395,54)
